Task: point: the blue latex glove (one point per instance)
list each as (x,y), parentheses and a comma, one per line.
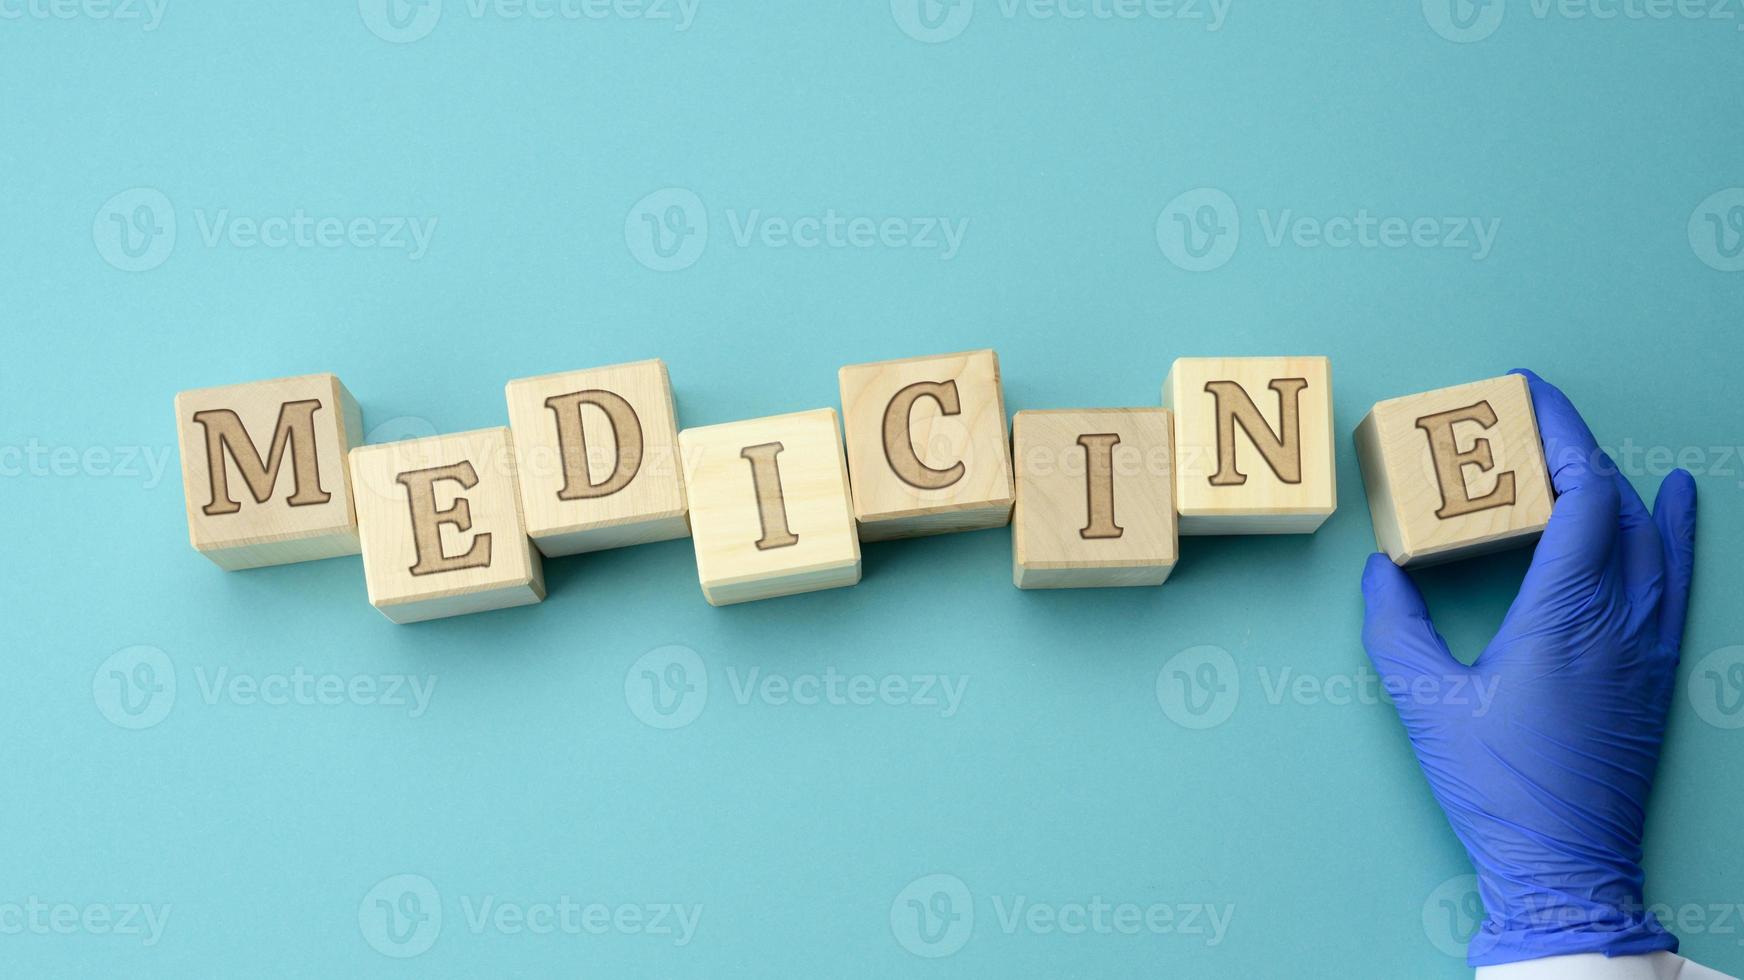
(1547,788)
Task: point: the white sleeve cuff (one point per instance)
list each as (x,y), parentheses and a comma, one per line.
(1595,966)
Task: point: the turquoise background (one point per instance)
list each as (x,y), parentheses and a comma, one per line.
(532,775)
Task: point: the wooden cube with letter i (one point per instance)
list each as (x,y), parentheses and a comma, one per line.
(441,524)
(1095,498)
(769,507)
(927,448)
(1455,472)
(1253,444)
(597,456)
(263,470)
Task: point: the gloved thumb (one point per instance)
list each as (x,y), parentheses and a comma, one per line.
(1397,632)
(1674,512)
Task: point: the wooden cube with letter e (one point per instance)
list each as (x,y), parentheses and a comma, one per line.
(1253,444)
(441,525)
(1095,498)
(770,513)
(263,470)
(597,456)
(927,446)
(1455,472)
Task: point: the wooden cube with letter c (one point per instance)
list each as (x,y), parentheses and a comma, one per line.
(1455,472)
(1095,498)
(441,525)
(1254,449)
(597,456)
(263,470)
(927,449)
(769,507)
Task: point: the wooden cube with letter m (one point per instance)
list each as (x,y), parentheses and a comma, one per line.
(263,470)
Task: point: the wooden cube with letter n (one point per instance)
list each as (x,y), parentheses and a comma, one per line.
(441,525)
(597,456)
(263,470)
(927,448)
(1455,472)
(769,507)
(1095,498)
(1253,444)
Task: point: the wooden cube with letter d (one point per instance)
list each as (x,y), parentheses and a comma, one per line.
(1253,444)
(441,525)
(263,470)
(769,507)
(597,456)
(1095,498)
(1455,472)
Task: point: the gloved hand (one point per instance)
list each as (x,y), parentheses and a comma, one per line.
(1547,788)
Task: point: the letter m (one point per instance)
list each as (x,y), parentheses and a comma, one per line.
(293,435)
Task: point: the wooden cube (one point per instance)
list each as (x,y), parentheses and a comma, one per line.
(1455,472)
(927,449)
(441,525)
(263,470)
(1095,498)
(597,456)
(1253,444)
(769,507)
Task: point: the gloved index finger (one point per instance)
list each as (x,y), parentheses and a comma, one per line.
(1570,451)
(1580,541)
